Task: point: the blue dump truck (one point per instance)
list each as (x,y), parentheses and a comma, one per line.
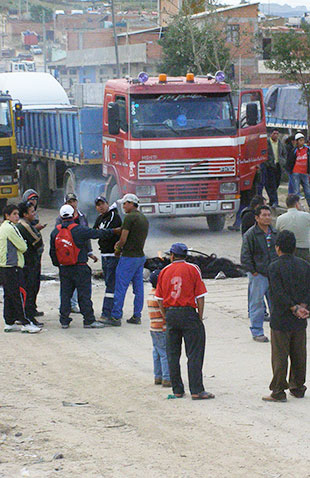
(59,146)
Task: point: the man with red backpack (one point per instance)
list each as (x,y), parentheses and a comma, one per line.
(68,251)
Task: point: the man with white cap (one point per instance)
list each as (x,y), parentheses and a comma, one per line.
(68,251)
(130,267)
(298,165)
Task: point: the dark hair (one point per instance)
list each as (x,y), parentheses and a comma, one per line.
(292,200)
(286,241)
(154,277)
(24,207)
(135,204)
(289,139)
(7,210)
(259,209)
(257,201)
(274,129)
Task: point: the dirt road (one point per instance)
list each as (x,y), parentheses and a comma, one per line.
(125,427)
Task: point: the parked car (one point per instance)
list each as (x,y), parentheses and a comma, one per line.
(25,56)
(36,50)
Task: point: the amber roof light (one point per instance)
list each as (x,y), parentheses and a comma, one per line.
(162,78)
(190,77)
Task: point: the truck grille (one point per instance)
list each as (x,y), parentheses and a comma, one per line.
(5,158)
(187,168)
(172,192)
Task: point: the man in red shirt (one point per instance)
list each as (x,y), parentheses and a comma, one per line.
(180,293)
(298,165)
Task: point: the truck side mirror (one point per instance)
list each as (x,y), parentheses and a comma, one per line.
(19,119)
(251,114)
(113,118)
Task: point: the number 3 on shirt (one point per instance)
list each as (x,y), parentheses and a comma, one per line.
(177,284)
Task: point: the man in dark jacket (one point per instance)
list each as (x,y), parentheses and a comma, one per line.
(298,166)
(77,276)
(271,169)
(108,218)
(258,251)
(32,257)
(248,214)
(289,278)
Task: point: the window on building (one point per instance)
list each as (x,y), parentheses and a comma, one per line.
(124,70)
(233,34)
(101,71)
(63,71)
(122,112)
(72,71)
(266,48)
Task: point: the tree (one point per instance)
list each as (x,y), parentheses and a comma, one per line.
(189,47)
(36,12)
(290,55)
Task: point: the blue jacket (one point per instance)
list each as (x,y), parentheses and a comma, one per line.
(80,235)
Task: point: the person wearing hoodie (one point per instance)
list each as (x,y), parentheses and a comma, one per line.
(12,249)
(32,197)
(79,218)
(108,218)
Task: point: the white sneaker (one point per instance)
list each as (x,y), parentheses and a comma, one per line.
(30,328)
(11,328)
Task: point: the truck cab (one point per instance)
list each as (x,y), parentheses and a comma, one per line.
(8,162)
(177,144)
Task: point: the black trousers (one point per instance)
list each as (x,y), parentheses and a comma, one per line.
(71,278)
(286,345)
(32,276)
(273,179)
(14,295)
(183,322)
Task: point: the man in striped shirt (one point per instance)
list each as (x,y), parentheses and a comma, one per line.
(158,334)
(180,292)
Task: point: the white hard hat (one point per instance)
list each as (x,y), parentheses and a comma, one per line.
(130,198)
(66,211)
(298,136)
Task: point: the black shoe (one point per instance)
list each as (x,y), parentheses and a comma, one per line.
(38,313)
(65,326)
(36,323)
(297,393)
(134,320)
(111,321)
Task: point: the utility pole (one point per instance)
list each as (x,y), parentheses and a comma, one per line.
(118,70)
(44,39)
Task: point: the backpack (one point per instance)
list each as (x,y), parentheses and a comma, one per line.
(66,251)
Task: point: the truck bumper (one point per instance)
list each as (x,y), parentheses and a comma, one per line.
(8,191)
(191,208)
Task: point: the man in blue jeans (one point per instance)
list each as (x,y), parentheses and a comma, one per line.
(130,267)
(258,251)
(108,218)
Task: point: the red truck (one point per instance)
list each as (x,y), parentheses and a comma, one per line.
(177,144)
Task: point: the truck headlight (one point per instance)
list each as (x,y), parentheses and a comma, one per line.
(228,188)
(145,191)
(6,179)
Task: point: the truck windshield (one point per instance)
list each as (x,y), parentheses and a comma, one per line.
(5,119)
(181,115)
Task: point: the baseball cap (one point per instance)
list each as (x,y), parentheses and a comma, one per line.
(179,248)
(298,136)
(100,198)
(130,198)
(70,197)
(66,211)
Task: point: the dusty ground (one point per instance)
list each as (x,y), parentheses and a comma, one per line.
(127,427)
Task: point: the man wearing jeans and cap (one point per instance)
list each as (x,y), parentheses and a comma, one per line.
(130,267)
(298,165)
(180,293)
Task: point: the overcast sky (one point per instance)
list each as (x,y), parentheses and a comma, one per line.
(292,3)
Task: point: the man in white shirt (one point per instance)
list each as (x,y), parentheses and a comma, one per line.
(297,221)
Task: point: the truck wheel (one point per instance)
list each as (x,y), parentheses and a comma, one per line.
(41,184)
(3,203)
(28,174)
(216,222)
(113,197)
(69,182)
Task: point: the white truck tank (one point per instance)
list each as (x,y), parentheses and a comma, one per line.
(34,90)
